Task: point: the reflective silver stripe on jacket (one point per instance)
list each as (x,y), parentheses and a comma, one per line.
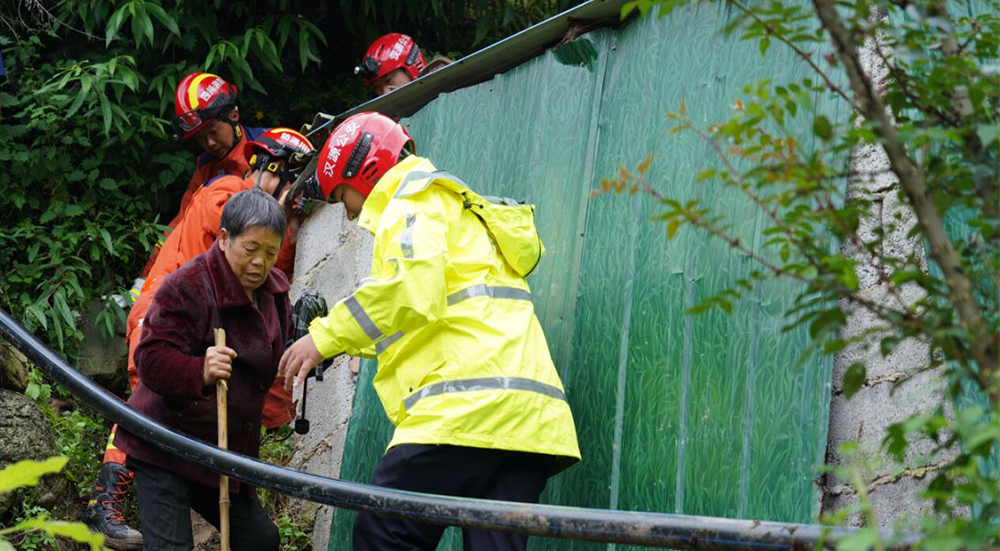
(429,176)
(360,316)
(406,238)
(385,343)
(411,176)
(484,383)
(483,290)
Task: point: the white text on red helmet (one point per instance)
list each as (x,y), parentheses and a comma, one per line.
(293,141)
(336,143)
(211,89)
(398,47)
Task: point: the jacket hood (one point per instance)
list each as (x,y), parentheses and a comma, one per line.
(510,223)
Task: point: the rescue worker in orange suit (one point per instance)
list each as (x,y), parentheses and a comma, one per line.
(193,235)
(464,372)
(392,61)
(205,109)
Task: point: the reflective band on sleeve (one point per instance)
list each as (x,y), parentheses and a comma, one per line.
(385,343)
(360,316)
(485,383)
(483,290)
(406,239)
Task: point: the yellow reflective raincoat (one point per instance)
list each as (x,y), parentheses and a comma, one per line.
(462,359)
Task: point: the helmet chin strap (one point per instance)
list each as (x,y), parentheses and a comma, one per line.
(279,188)
(261,168)
(237,130)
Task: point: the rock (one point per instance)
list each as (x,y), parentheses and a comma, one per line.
(25,433)
(103,360)
(13,368)
(204,535)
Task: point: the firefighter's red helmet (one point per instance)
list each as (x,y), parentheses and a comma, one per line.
(359,151)
(278,143)
(388,53)
(199,98)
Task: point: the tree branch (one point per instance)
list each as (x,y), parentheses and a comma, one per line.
(983,347)
(798,51)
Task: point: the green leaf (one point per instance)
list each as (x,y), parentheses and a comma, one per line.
(822,128)
(32,390)
(854,379)
(114,24)
(107,241)
(988,133)
(105,111)
(29,472)
(764,44)
(942,543)
(4,546)
(483,28)
(672,228)
(627,8)
(862,540)
(147,24)
(164,18)
(895,441)
(706,174)
(76,531)
(80,96)
(59,302)
(34,310)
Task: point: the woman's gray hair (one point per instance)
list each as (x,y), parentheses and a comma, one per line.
(250,208)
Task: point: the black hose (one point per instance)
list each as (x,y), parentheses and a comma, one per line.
(651,529)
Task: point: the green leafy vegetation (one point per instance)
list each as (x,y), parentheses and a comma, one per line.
(25,474)
(294,523)
(89,166)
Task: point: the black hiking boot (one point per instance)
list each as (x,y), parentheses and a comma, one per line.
(105,510)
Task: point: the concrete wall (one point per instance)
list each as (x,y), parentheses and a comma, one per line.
(897,385)
(333,256)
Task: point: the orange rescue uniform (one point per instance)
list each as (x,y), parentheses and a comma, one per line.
(209,167)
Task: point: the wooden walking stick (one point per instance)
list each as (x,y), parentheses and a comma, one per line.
(222,407)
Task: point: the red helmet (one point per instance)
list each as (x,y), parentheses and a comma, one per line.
(277,143)
(201,97)
(388,53)
(359,152)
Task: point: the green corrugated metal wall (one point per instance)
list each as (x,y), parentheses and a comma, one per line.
(699,415)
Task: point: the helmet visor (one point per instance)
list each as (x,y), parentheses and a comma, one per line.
(187,122)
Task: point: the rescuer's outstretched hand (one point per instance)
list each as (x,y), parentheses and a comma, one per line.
(298,360)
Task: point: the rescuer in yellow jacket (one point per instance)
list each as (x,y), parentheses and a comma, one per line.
(464,372)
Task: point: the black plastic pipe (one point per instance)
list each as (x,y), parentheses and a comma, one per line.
(600,525)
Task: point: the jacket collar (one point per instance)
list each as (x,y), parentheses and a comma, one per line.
(228,291)
(386,187)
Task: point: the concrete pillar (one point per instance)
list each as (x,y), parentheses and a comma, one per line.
(333,255)
(898,385)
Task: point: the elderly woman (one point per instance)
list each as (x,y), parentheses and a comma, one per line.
(233,286)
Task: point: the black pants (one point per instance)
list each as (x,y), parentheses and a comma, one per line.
(165,501)
(451,470)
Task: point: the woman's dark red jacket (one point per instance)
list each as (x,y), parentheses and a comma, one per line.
(188,306)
